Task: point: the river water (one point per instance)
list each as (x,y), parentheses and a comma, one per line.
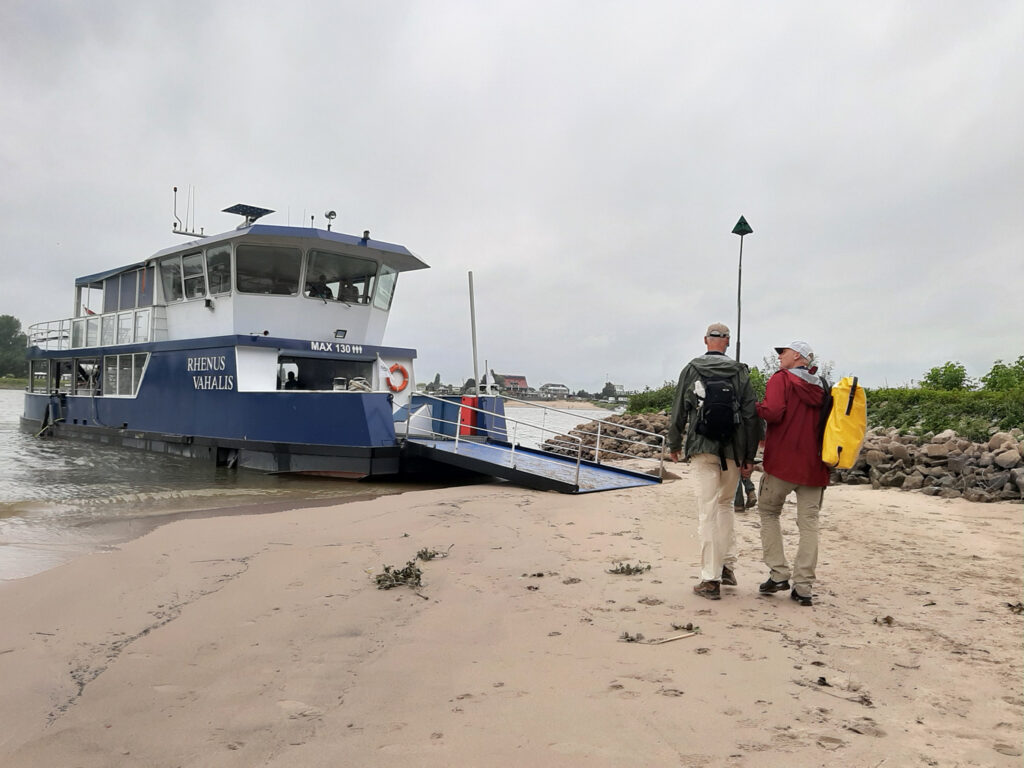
(62,498)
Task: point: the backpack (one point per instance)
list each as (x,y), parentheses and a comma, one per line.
(719,413)
(846,424)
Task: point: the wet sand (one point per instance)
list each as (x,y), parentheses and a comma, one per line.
(263,640)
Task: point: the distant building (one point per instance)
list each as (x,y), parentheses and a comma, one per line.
(514,384)
(555,390)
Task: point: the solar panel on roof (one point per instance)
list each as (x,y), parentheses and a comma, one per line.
(251,212)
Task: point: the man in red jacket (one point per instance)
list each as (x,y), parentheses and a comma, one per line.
(792,462)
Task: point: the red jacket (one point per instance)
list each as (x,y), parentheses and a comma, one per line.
(792,450)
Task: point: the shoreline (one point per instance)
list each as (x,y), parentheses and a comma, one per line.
(262,640)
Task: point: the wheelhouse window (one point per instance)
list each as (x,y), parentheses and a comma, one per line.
(218,269)
(337,277)
(170,278)
(385,287)
(267,269)
(194,275)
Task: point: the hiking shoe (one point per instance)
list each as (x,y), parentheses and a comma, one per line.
(802,599)
(770,587)
(728,577)
(708,589)
(751,500)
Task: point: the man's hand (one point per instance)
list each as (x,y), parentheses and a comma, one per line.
(673,456)
(746,469)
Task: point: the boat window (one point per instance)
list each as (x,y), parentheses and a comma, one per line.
(122,374)
(170,278)
(141,325)
(87,371)
(63,374)
(111,293)
(336,277)
(125,326)
(324,373)
(146,287)
(218,268)
(268,269)
(109,332)
(194,276)
(77,334)
(40,373)
(129,287)
(92,332)
(385,287)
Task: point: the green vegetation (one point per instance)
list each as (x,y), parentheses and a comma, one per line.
(12,348)
(946,399)
(11,382)
(974,415)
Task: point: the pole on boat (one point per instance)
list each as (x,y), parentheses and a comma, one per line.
(472,323)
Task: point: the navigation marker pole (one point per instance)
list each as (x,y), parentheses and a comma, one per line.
(741,229)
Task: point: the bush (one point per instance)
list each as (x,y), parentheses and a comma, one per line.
(975,415)
(653,400)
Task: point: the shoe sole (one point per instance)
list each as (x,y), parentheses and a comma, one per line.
(708,595)
(805,602)
(772,591)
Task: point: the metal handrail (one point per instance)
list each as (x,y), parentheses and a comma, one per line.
(659,444)
(513,442)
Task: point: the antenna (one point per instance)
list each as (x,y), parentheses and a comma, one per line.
(177,226)
(330,216)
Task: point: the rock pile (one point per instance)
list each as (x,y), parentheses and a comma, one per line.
(945,464)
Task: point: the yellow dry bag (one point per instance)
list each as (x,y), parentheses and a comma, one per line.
(846,426)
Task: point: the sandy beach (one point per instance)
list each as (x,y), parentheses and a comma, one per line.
(262,640)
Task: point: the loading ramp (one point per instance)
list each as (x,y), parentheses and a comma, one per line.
(458,433)
(528,467)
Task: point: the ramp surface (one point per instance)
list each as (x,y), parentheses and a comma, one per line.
(526,466)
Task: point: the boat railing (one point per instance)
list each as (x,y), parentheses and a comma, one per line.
(109,329)
(617,446)
(510,434)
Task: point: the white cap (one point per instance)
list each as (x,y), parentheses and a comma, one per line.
(802,348)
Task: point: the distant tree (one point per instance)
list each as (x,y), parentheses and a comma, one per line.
(12,348)
(437,379)
(949,377)
(497,378)
(1004,377)
(609,390)
(469,386)
(582,393)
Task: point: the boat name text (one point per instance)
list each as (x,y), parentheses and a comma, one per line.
(210,381)
(202,363)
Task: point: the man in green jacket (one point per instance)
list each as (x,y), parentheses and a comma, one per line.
(714,410)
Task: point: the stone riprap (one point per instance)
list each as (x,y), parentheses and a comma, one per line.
(945,465)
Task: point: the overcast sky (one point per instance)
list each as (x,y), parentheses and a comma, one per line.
(586,160)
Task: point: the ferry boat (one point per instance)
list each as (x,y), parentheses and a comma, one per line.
(262,347)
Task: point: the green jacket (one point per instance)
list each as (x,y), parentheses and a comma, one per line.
(743,446)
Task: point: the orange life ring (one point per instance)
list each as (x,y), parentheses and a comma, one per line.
(405,378)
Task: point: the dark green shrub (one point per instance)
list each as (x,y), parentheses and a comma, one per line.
(974,415)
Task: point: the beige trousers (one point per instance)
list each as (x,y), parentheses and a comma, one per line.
(772,495)
(715,518)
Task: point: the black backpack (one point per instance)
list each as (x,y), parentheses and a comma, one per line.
(719,412)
